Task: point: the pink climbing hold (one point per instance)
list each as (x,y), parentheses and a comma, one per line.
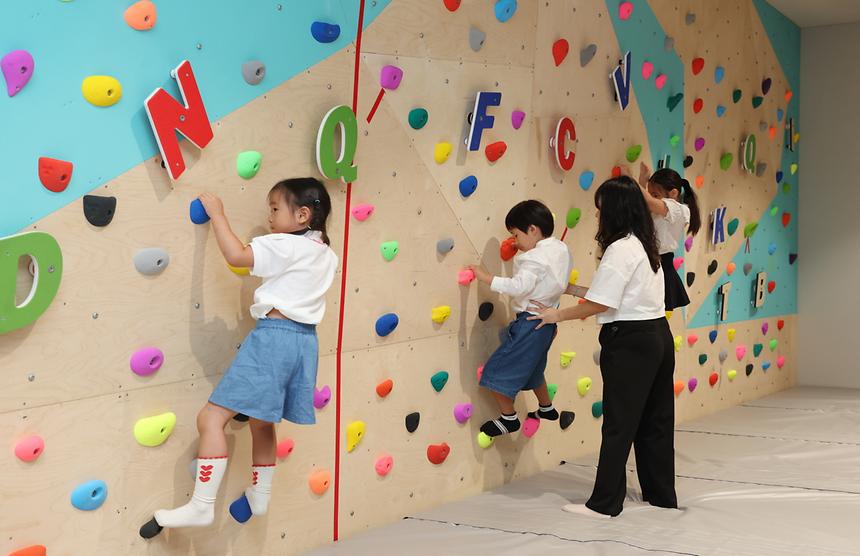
(647,69)
(146,361)
(740,352)
(322,397)
(362,212)
(517,118)
(17,67)
(462,412)
(383,465)
(692,339)
(480,372)
(677,262)
(700,143)
(530,427)
(692,383)
(660,81)
(780,361)
(285,447)
(625,10)
(30,448)
(390,77)
(466,277)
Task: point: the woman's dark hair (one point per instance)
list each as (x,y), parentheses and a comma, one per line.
(668,180)
(623,211)
(530,213)
(310,193)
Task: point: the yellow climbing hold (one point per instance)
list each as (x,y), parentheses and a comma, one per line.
(484,440)
(442,152)
(101,90)
(440,314)
(574,276)
(567,357)
(668,315)
(732,374)
(153,431)
(239,271)
(731,334)
(678,341)
(354,434)
(583,385)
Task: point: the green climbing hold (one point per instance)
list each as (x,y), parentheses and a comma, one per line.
(786,188)
(773,344)
(749,229)
(703,358)
(248,164)
(774,211)
(597,409)
(756,101)
(733,226)
(633,153)
(389,250)
(418,118)
(673,101)
(726,161)
(757,349)
(736,95)
(439,380)
(573,216)
(552,388)
(674,140)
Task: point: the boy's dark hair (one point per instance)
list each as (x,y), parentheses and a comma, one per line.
(530,213)
(623,211)
(307,192)
(668,180)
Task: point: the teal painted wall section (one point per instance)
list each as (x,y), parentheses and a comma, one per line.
(785,40)
(70,41)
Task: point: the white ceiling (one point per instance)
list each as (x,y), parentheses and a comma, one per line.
(813,13)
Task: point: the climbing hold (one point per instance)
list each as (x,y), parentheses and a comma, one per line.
(319,481)
(692,339)
(703,358)
(732,226)
(677,262)
(389,250)
(698,104)
(390,77)
(354,434)
(724,354)
(736,95)
(587,54)
(505,9)
(674,100)
(197,212)
(668,43)
(691,277)
(437,453)
(462,412)
(444,246)
(692,383)
(362,212)
(760,169)
(494,151)
(552,390)
(773,344)
(98,210)
(248,164)
(285,448)
(678,342)
(756,101)
(625,10)
(633,153)
(771,248)
(17,68)
(452,5)
(567,357)
(720,110)
(253,72)
(141,16)
(566,419)
(792,257)
(322,397)
(647,69)
(484,440)
(383,465)
(476,38)
(441,152)
(780,324)
(786,219)
(586,179)
(793,169)
(660,81)
(688,161)
(325,32)
(560,49)
(787,96)
(32,550)
(712,336)
(573,216)
(89,496)
(690,18)
(101,90)
(765,85)
(749,369)
(730,268)
(153,431)
(151,261)
(597,409)
(779,176)
(418,118)
(726,161)
(55,174)
(780,361)
(386,324)
(485,310)
(679,387)
(530,427)
(412,421)
(699,144)
(732,374)
(719,73)
(765,365)
(583,385)
(698,65)
(508,249)
(440,314)
(740,351)
(750,229)
(384,388)
(771,286)
(674,140)
(712,267)
(730,334)
(30,448)
(779,114)
(616,171)
(146,361)
(573,276)
(468,185)
(239,271)
(700,181)
(517,118)
(439,380)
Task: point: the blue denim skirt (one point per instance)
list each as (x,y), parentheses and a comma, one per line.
(274,374)
(519,363)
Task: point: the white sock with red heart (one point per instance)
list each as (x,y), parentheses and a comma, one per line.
(260,491)
(200,511)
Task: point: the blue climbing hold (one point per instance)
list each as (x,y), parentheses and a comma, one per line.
(386,324)
(720,110)
(90,495)
(468,185)
(198,213)
(586,179)
(719,73)
(712,336)
(771,249)
(240,509)
(765,365)
(505,9)
(325,32)
(779,176)
(779,114)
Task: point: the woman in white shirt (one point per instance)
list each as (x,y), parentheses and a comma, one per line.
(637,357)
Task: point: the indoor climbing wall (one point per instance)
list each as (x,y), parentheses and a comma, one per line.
(134,315)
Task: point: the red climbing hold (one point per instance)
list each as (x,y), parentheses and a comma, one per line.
(616,171)
(437,453)
(786,218)
(508,249)
(779,324)
(713,378)
(771,286)
(560,48)
(55,174)
(697,105)
(494,151)
(698,65)
(452,5)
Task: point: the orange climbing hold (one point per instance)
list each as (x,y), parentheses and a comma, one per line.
(788,95)
(319,481)
(141,15)
(384,388)
(700,181)
(679,387)
(508,249)
(34,550)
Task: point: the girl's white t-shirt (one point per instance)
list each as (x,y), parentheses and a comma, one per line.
(671,228)
(625,283)
(297,271)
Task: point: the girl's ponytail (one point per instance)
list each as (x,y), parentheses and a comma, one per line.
(688,197)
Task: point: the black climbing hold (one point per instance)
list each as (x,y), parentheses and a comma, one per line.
(688,161)
(412,421)
(749,369)
(99,211)
(566,419)
(150,529)
(712,267)
(241,417)
(485,311)
(792,257)
(691,277)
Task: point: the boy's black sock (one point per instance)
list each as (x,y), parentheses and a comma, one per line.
(547,412)
(505,424)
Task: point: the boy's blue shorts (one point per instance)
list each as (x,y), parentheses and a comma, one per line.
(519,363)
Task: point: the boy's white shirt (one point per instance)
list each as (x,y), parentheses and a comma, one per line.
(540,274)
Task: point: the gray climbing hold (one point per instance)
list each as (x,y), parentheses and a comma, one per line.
(760,168)
(586,54)
(444,246)
(747,268)
(476,38)
(690,18)
(151,261)
(669,43)
(597,357)
(723,356)
(253,72)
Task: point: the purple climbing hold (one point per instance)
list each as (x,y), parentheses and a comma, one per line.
(517,117)
(462,412)
(700,143)
(17,67)
(390,77)
(688,243)
(146,361)
(322,397)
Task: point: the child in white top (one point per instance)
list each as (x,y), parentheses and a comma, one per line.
(274,373)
